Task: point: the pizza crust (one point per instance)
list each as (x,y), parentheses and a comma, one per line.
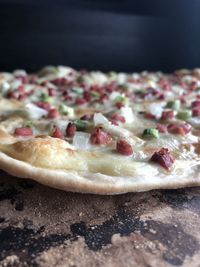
(97,183)
(48,161)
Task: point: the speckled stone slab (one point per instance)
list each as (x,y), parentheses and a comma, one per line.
(40,226)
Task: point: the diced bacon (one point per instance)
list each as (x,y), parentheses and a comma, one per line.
(118,117)
(196,104)
(53,114)
(196,112)
(71,129)
(114,122)
(52,92)
(149,116)
(22,78)
(32,78)
(23,131)
(164,84)
(21,89)
(60,81)
(183,98)
(87,96)
(43,105)
(80,101)
(22,97)
(124,148)
(13,94)
(193,86)
(83,71)
(161,96)
(31,92)
(103,98)
(99,137)
(162,128)
(167,87)
(167,115)
(111,87)
(163,157)
(181,129)
(68,98)
(119,105)
(45,83)
(57,133)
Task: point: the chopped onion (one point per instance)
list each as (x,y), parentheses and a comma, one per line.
(61,124)
(50,73)
(195,122)
(121,78)
(117,131)
(81,140)
(35,112)
(156,109)
(64,71)
(20,73)
(114,95)
(100,119)
(15,84)
(4,87)
(127,113)
(98,77)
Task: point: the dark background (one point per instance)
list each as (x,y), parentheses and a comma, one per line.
(100,34)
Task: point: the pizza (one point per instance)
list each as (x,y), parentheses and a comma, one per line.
(102,133)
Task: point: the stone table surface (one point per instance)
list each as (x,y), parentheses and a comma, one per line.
(40,226)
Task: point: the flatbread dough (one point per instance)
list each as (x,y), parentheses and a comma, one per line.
(146,112)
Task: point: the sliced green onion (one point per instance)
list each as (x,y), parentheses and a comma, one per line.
(80,79)
(77,90)
(175,105)
(46,98)
(95,94)
(112,75)
(184,114)
(65,110)
(139,92)
(29,124)
(151,132)
(81,125)
(124,87)
(119,98)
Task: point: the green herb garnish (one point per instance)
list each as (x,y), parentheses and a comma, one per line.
(46,98)
(81,125)
(151,133)
(119,98)
(77,90)
(175,105)
(184,114)
(63,109)
(28,124)
(95,94)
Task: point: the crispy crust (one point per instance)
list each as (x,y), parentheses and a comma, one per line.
(96,183)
